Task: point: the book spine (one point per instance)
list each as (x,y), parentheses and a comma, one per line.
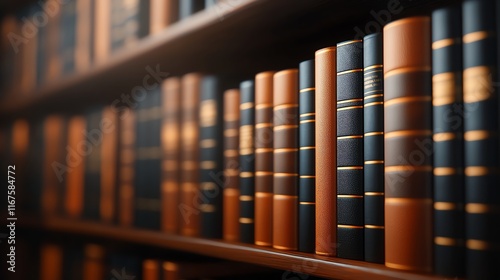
(75,179)
(19,146)
(36,154)
(94,262)
(231,206)
(247,161)
(151,270)
(373,147)
(326,153)
(481,138)
(449,218)
(51,262)
(307,149)
(83,40)
(190,7)
(408,144)
(285,158)
(128,141)
(148,162)
(170,144)
(163,13)
(67,42)
(53,68)
(350,193)
(91,196)
(190,155)
(109,163)
(102,30)
(264,158)
(211,154)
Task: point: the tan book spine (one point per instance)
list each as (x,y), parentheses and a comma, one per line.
(83,34)
(264,158)
(326,152)
(170,139)
(127,169)
(285,158)
(163,13)
(231,202)
(75,179)
(102,28)
(109,163)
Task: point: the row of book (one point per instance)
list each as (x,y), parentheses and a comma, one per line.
(51,39)
(404,172)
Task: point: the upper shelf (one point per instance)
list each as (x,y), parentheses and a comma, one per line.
(294,262)
(235,38)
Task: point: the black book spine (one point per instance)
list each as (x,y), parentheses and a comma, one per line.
(374,147)
(247,161)
(36,154)
(350,221)
(449,218)
(189,7)
(148,162)
(307,154)
(68,37)
(92,185)
(481,139)
(211,154)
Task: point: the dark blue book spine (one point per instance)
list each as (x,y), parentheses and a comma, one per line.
(211,154)
(67,43)
(92,185)
(189,7)
(373,103)
(481,138)
(449,212)
(307,154)
(148,162)
(247,161)
(350,189)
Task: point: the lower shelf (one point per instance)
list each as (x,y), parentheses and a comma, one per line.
(295,262)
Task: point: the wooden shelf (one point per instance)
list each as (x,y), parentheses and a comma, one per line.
(312,264)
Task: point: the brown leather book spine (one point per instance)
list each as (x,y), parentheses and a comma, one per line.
(93,263)
(51,262)
(326,151)
(151,270)
(109,163)
(408,144)
(84,34)
(190,201)
(170,271)
(102,28)
(163,13)
(231,199)
(20,145)
(170,143)
(285,144)
(264,158)
(75,178)
(54,65)
(127,170)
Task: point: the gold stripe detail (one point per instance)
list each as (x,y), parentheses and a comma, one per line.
(374,103)
(374,193)
(350,168)
(366,72)
(445,89)
(263,125)
(407,133)
(231,153)
(307,121)
(284,248)
(374,227)
(285,106)
(476,36)
(207,208)
(405,199)
(307,176)
(285,174)
(475,244)
(350,100)
(348,226)
(246,174)
(374,66)
(246,105)
(246,220)
(349,196)
(189,165)
(307,89)
(263,194)
(374,162)
(231,172)
(478,84)
(307,114)
(284,196)
(444,136)
(307,203)
(407,99)
(349,71)
(478,171)
(208,186)
(348,43)
(447,241)
(476,135)
(444,43)
(285,150)
(446,171)
(285,126)
(262,243)
(263,106)
(372,91)
(231,132)
(374,133)
(481,208)
(264,150)
(405,168)
(246,198)
(263,173)
(349,108)
(407,70)
(350,137)
(374,96)
(246,151)
(208,164)
(308,148)
(208,143)
(446,206)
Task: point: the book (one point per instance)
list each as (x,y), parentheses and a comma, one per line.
(75,161)
(190,7)
(147,195)
(481,137)
(170,144)
(10,67)
(19,155)
(285,159)
(211,157)
(92,178)
(231,199)
(189,206)
(449,212)
(94,262)
(109,163)
(51,262)
(72,267)
(326,152)
(408,144)
(52,69)
(247,161)
(307,154)
(162,14)
(101,31)
(264,158)
(373,113)
(84,39)
(35,162)
(127,142)
(68,33)
(350,189)
(27,52)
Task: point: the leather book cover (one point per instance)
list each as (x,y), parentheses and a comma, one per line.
(481,137)
(75,178)
(35,160)
(264,158)
(211,157)
(373,102)
(408,144)
(162,14)
(307,149)
(51,262)
(190,7)
(189,207)
(326,151)
(84,27)
(170,145)
(68,33)
(53,67)
(231,199)
(101,31)
(285,144)
(449,211)
(126,167)
(19,146)
(350,188)
(247,161)
(94,262)
(92,181)
(109,164)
